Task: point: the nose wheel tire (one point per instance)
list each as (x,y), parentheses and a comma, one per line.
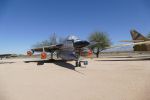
(78,64)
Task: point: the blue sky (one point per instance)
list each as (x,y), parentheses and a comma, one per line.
(26,22)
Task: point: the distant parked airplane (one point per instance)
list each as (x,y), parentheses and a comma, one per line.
(5,55)
(140,42)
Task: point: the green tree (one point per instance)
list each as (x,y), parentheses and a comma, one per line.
(148,35)
(51,41)
(42,44)
(101,41)
(61,40)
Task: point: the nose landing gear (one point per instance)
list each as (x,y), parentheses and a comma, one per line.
(78,63)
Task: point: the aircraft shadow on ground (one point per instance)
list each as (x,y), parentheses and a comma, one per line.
(7,62)
(56,62)
(138,59)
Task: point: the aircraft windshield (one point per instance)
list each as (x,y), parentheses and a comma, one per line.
(74,38)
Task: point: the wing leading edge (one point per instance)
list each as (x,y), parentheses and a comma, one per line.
(122,45)
(47,48)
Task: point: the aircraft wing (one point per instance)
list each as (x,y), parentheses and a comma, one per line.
(47,48)
(122,45)
(132,41)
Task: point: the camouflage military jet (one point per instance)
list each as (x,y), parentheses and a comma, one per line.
(139,42)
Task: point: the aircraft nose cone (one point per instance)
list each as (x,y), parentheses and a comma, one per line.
(86,43)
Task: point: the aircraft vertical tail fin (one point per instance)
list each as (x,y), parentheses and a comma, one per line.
(137,36)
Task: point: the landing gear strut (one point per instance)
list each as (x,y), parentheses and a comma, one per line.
(78,63)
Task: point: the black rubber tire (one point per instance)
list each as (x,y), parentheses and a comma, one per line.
(77,64)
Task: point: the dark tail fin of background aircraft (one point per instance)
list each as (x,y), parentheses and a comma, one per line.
(137,36)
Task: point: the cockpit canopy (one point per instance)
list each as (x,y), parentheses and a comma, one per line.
(72,38)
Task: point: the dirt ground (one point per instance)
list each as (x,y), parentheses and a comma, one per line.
(102,79)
